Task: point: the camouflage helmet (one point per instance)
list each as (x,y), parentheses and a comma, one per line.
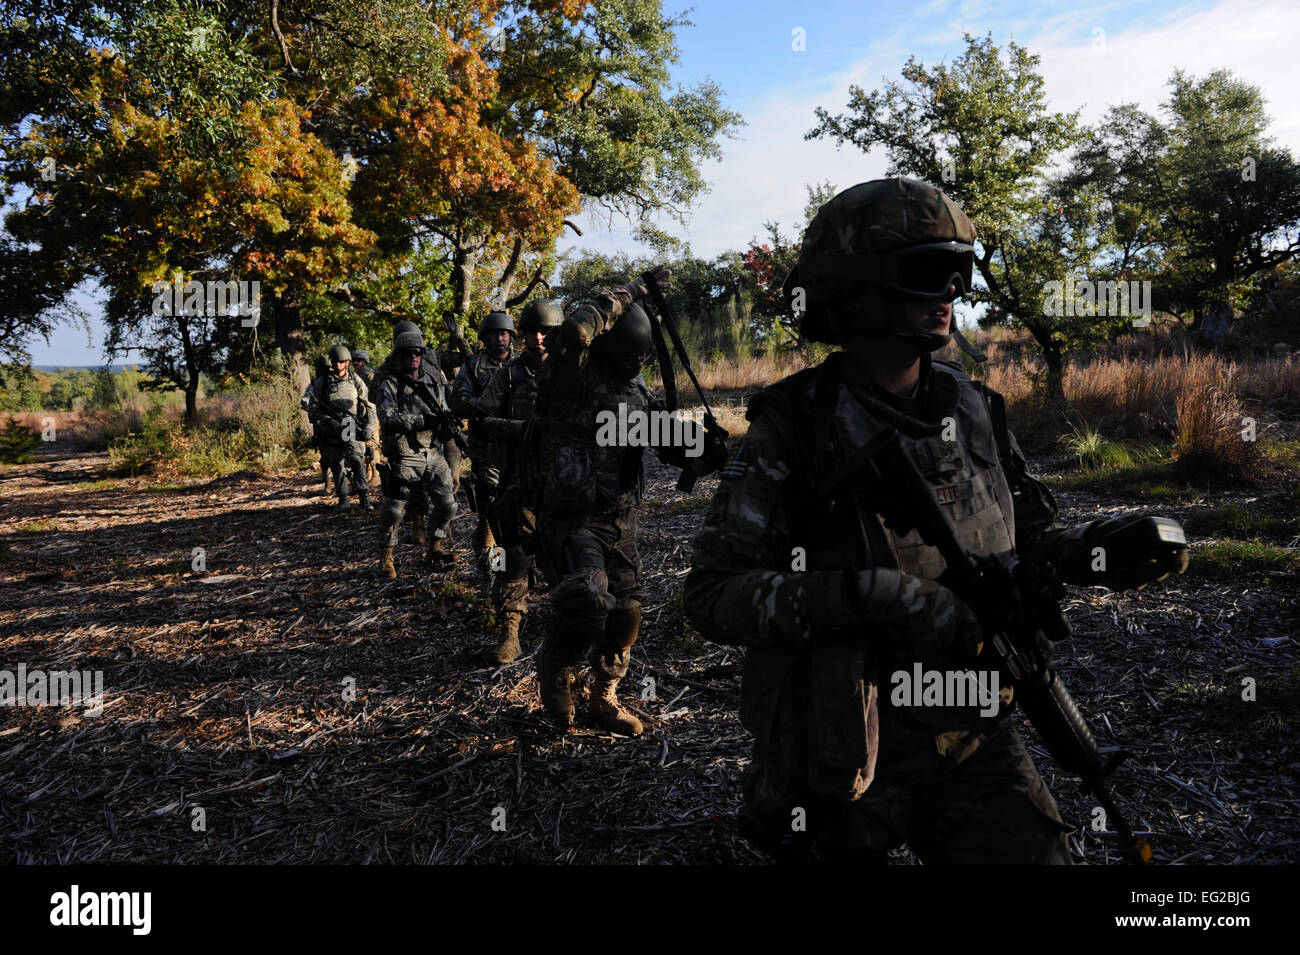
(887,239)
(407,338)
(496,322)
(339,353)
(541,314)
(361,355)
(630,335)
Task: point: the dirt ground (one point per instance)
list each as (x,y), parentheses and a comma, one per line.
(226,735)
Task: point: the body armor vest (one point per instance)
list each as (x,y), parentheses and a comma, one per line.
(837,675)
(578,474)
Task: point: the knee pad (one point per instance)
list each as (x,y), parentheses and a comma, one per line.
(585,594)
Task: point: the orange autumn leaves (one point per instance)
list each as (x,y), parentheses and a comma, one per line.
(446,164)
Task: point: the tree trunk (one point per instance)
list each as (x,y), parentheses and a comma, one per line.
(1214,325)
(462,277)
(292,341)
(191,373)
(1054,379)
(192,397)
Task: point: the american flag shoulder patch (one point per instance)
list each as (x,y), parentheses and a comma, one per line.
(739,463)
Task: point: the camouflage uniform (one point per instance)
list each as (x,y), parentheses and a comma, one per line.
(342,442)
(415,459)
(794,562)
(588,497)
(418,506)
(868,774)
(471,381)
(374,450)
(506,404)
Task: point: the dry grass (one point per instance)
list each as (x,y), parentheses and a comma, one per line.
(1211,434)
(730,376)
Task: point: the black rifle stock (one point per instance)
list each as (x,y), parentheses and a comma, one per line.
(1017,603)
(447,426)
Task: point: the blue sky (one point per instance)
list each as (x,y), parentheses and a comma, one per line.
(1094,55)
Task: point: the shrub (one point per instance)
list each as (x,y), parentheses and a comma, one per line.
(1209,439)
(18,442)
(1091,450)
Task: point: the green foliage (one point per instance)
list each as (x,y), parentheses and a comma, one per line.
(1148,482)
(981,130)
(1226,560)
(606,113)
(1232,520)
(17,443)
(1091,450)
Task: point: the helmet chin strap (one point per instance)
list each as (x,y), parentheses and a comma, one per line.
(923,342)
(926,342)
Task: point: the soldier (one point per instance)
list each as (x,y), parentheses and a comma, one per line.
(361,365)
(495,333)
(320,369)
(338,406)
(409,399)
(503,411)
(589,492)
(829,600)
(433,364)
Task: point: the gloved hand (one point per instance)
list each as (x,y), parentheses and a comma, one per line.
(662,274)
(1134,551)
(933,624)
(504,429)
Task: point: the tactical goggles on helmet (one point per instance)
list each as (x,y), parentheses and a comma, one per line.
(918,271)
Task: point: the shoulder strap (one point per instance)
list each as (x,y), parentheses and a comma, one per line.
(998,416)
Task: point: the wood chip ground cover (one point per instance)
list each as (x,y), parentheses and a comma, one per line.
(225,692)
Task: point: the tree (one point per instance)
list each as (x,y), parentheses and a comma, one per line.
(980,129)
(390,160)
(1228,200)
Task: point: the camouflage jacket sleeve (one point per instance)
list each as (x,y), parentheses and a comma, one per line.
(1037,536)
(314,400)
(463,401)
(567,344)
(392,415)
(741,589)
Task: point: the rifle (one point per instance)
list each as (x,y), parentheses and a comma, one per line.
(1017,604)
(447,426)
(715,436)
(338,416)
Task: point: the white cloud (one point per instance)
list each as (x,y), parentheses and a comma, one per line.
(762,175)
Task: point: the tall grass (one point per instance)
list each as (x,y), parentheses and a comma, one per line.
(254,426)
(1213,436)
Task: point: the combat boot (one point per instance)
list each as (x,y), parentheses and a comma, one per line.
(440,554)
(555,671)
(365,500)
(386,568)
(606,712)
(509,648)
(609,659)
(418,535)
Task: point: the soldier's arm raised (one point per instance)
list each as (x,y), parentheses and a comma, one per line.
(569,341)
